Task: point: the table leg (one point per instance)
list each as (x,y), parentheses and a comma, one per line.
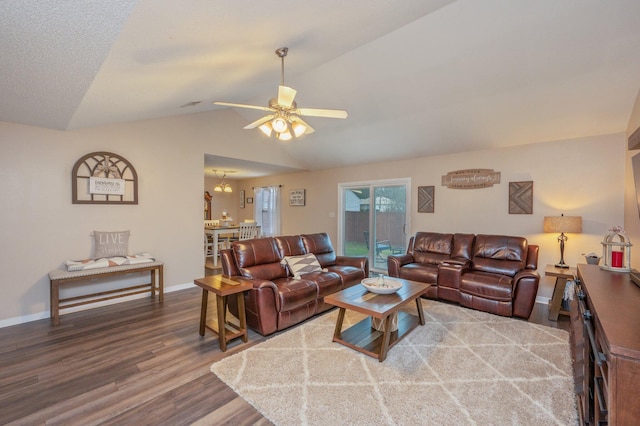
(242,316)
(338,330)
(556,299)
(54,302)
(385,339)
(152,278)
(221,307)
(420,312)
(161,283)
(203,311)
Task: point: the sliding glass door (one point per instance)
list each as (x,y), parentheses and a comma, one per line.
(373,219)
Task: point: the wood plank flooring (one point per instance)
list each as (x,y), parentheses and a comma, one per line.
(136,362)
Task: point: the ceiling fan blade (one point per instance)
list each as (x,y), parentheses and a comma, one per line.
(262,108)
(310,129)
(286,96)
(328,113)
(259,122)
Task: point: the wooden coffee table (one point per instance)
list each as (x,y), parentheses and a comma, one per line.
(362,336)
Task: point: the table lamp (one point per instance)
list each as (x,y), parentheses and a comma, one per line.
(562,224)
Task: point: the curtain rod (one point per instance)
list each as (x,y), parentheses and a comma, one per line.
(254,187)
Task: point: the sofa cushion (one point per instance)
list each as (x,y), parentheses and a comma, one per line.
(499,254)
(302,264)
(293,293)
(290,245)
(258,258)
(421,272)
(462,246)
(320,245)
(432,248)
(350,274)
(487,286)
(327,282)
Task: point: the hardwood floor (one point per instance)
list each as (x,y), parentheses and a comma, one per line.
(135,362)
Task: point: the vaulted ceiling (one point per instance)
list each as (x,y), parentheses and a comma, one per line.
(418,77)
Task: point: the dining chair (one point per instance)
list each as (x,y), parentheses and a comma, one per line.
(208,247)
(246,231)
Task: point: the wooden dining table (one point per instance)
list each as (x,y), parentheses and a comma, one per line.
(216,231)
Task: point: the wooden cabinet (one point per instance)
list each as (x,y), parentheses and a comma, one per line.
(605,337)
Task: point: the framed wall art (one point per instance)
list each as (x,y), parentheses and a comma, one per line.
(521,197)
(297,197)
(242,198)
(104,178)
(426,202)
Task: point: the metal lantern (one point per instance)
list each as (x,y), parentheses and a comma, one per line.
(616,251)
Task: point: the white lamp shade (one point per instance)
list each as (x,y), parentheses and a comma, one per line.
(279,124)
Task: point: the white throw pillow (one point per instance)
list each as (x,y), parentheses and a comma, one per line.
(303,264)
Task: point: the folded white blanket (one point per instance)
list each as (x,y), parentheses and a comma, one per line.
(105,262)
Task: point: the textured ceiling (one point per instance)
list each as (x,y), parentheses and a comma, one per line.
(418,77)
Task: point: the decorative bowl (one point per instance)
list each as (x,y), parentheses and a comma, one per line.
(391,285)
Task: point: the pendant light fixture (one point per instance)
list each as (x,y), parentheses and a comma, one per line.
(222,186)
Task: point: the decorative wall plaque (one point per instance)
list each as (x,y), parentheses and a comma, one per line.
(521,197)
(296,197)
(104,178)
(471,179)
(426,199)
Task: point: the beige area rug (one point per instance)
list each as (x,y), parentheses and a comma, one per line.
(462,367)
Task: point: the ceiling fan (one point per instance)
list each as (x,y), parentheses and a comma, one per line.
(284,115)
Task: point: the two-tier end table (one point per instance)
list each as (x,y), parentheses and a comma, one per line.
(224,327)
(562,275)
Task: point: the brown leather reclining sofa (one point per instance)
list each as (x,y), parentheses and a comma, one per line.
(278,299)
(491,273)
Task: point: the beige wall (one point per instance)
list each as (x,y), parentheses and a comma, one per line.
(578,177)
(41,228)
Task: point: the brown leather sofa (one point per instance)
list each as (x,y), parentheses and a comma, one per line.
(279,300)
(491,273)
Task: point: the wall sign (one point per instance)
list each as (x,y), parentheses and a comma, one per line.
(471,179)
(296,197)
(104,178)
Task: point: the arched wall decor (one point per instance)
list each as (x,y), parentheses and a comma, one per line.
(104,178)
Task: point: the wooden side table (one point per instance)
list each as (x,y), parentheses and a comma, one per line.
(223,287)
(562,275)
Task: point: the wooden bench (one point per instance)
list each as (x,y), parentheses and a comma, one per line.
(61,276)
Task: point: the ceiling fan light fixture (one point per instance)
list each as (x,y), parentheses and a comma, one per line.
(266,128)
(279,124)
(284,136)
(299,128)
(283,116)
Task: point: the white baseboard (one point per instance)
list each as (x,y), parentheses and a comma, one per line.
(46,314)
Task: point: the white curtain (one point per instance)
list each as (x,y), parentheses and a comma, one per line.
(267,210)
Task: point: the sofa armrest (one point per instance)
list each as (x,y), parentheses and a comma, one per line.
(359,262)
(525,291)
(395,262)
(450,272)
